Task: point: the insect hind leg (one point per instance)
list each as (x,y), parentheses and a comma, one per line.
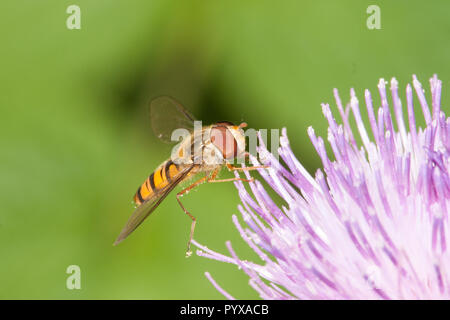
(194,220)
(210,179)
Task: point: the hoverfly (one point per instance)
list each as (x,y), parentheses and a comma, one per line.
(205,151)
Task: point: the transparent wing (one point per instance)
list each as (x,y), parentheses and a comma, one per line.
(146,208)
(166,115)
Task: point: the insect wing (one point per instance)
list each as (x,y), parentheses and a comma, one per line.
(167,115)
(146,208)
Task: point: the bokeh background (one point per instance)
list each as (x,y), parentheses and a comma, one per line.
(76,140)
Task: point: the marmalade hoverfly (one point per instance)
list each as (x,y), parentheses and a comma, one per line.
(205,151)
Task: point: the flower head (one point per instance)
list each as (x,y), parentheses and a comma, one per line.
(373,223)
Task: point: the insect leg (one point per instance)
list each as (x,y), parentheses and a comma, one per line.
(231,179)
(246,155)
(233,168)
(212,178)
(180,194)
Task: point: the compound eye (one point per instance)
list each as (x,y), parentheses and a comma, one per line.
(224,140)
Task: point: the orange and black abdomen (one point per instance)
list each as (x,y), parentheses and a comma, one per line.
(157,181)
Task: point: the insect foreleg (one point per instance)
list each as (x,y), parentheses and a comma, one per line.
(212,178)
(233,168)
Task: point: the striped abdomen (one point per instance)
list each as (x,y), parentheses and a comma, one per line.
(159,179)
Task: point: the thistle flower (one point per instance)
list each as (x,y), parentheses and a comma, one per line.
(373,223)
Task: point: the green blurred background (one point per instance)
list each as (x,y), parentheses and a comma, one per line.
(76,140)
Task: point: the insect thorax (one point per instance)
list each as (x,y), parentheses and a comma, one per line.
(197,149)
